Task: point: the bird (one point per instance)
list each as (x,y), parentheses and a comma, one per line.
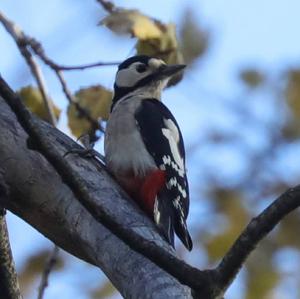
(144,148)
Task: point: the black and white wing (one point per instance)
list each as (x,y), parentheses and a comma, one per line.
(163,140)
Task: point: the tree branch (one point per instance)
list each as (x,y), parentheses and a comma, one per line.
(9,286)
(47,270)
(19,38)
(209,283)
(39,51)
(184,273)
(24,41)
(255,231)
(41,198)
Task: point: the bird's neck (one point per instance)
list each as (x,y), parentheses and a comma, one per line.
(146,92)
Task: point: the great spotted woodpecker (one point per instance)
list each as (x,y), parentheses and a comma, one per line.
(144,148)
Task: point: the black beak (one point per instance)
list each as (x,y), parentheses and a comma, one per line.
(166,71)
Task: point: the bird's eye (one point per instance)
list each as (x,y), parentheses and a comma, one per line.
(141,68)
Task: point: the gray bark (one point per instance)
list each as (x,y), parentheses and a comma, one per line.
(37,194)
(9,285)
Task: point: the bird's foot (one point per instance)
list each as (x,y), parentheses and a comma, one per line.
(88,151)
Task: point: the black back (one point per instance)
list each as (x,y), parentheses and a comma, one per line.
(150,120)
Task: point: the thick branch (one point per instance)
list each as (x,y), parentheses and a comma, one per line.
(184,273)
(41,198)
(212,283)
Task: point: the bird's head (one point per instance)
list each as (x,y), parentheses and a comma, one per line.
(143,75)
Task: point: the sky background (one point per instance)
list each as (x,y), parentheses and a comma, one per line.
(261,34)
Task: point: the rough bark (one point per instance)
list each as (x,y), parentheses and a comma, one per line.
(9,285)
(38,195)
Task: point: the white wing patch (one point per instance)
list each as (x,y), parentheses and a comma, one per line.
(172,134)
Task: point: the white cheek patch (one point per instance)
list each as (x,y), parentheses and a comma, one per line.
(129,77)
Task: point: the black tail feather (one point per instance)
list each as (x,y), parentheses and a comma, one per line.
(163,217)
(183,235)
(169,221)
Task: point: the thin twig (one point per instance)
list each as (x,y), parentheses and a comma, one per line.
(85,66)
(39,51)
(19,37)
(255,231)
(47,270)
(96,125)
(24,41)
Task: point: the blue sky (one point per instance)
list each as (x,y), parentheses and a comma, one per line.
(263,34)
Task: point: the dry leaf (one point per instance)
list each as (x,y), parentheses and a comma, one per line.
(165,48)
(154,38)
(33,100)
(193,40)
(96,100)
(125,21)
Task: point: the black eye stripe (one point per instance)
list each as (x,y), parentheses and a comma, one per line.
(141,68)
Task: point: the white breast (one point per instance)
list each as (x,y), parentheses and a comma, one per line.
(123,145)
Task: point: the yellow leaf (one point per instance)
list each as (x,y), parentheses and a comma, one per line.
(133,22)
(154,38)
(33,100)
(165,47)
(96,100)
